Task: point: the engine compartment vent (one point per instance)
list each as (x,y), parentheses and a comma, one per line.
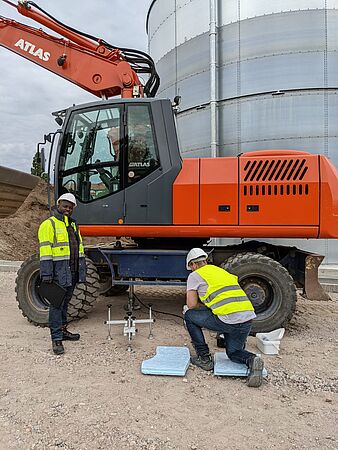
(275,189)
(293,169)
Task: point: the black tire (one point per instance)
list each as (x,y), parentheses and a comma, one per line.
(269,287)
(35,308)
(85,294)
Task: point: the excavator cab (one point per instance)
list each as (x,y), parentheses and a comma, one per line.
(116,153)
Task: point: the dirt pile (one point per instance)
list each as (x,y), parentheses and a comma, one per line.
(18,232)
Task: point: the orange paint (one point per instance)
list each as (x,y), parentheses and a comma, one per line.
(219,191)
(186,194)
(199,231)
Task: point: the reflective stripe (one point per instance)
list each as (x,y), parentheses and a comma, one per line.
(219,291)
(60,258)
(61,244)
(226,301)
(45,244)
(45,258)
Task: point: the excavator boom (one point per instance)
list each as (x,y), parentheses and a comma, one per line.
(84,60)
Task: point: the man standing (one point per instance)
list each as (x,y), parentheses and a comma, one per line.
(217,302)
(61,260)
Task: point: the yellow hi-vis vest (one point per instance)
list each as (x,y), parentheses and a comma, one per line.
(55,251)
(54,241)
(224,295)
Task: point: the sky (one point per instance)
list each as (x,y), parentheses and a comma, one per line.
(29,93)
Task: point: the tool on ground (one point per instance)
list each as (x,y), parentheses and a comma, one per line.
(129,324)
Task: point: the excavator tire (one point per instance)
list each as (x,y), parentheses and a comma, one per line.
(35,308)
(269,287)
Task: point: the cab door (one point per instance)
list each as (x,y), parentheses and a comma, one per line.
(90,165)
(142,166)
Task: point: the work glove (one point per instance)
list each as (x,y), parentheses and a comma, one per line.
(185,309)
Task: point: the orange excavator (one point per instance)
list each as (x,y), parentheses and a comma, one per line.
(120,158)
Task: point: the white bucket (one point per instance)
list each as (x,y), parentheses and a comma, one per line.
(268,343)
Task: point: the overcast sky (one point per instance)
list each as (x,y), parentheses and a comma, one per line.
(29,93)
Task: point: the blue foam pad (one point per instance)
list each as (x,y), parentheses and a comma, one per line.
(224,367)
(167,361)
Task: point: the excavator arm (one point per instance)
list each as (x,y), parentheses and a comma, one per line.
(84,60)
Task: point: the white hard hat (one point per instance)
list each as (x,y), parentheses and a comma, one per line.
(196,254)
(69,197)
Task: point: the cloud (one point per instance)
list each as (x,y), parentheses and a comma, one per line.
(29,93)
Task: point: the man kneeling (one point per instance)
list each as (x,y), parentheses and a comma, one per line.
(217,302)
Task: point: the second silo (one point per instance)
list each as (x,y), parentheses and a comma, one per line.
(274,78)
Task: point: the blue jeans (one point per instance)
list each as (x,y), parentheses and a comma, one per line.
(235,335)
(58,316)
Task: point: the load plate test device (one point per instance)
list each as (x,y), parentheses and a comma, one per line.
(142,267)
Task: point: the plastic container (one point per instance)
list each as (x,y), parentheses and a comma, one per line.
(269,343)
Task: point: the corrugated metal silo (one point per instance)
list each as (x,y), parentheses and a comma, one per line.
(275,77)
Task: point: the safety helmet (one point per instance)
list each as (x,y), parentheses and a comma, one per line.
(69,197)
(195,254)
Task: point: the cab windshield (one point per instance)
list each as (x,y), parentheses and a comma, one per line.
(101,155)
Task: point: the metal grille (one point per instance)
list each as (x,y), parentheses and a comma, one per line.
(274,189)
(275,170)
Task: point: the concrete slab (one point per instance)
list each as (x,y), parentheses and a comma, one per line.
(328,277)
(9,266)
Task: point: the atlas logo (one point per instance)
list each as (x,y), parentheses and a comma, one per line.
(31,49)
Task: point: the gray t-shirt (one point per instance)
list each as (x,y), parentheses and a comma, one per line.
(196,283)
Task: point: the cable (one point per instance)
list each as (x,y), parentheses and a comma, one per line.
(139,61)
(156,311)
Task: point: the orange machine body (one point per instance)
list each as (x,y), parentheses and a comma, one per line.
(90,65)
(276,194)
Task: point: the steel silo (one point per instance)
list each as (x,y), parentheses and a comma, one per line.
(252,74)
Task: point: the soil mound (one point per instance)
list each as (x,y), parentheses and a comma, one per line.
(19,232)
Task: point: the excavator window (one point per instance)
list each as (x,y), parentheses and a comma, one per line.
(142,149)
(102,154)
(91,167)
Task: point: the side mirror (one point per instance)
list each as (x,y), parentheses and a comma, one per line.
(59,121)
(176,101)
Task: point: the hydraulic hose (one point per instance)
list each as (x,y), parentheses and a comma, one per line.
(140,61)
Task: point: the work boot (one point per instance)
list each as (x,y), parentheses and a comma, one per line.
(255,375)
(205,362)
(68,336)
(58,348)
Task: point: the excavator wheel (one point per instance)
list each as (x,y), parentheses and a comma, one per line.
(269,287)
(35,308)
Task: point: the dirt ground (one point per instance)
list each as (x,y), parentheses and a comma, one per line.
(95,397)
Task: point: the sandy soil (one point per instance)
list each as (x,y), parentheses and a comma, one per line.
(94,396)
(25,221)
